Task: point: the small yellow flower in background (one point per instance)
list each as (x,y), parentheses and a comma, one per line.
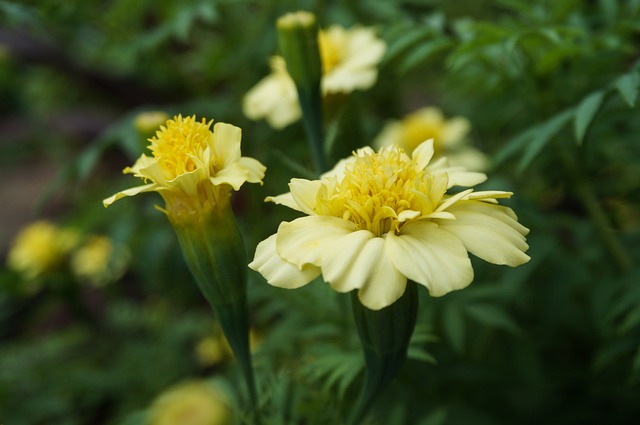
(449,137)
(214,349)
(40,248)
(192,403)
(193,168)
(378,219)
(99,260)
(147,122)
(349,62)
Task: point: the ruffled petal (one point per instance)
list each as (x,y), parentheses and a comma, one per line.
(346,264)
(431,257)
(303,240)
(383,283)
(276,270)
(305,194)
(225,144)
(234,175)
(488,231)
(130,192)
(254,168)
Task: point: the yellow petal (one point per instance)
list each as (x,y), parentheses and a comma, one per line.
(488,231)
(254,168)
(303,240)
(129,192)
(276,270)
(305,194)
(423,154)
(234,175)
(346,264)
(431,257)
(225,144)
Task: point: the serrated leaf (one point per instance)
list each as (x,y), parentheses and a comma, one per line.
(585,113)
(543,134)
(628,86)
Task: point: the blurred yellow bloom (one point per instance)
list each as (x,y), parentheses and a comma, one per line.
(378,219)
(39,248)
(349,62)
(215,349)
(99,261)
(193,168)
(192,403)
(147,122)
(449,137)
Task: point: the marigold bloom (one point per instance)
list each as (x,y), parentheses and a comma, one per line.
(193,168)
(349,62)
(449,137)
(40,248)
(192,403)
(378,219)
(99,260)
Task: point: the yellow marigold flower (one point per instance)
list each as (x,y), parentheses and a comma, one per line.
(99,260)
(193,168)
(378,219)
(449,137)
(349,62)
(40,248)
(215,349)
(192,403)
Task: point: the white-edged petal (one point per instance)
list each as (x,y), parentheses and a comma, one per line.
(488,231)
(431,257)
(276,270)
(303,240)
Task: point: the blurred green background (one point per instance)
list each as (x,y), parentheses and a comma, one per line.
(551,90)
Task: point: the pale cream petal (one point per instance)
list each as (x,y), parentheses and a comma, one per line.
(490,195)
(383,283)
(460,177)
(346,263)
(391,134)
(130,192)
(188,182)
(254,168)
(469,158)
(276,270)
(233,174)
(274,98)
(225,144)
(453,199)
(454,131)
(489,232)
(423,154)
(431,257)
(303,240)
(285,199)
(305,194)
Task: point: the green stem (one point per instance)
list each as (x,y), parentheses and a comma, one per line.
(385,335)
(311,104)
(594,208)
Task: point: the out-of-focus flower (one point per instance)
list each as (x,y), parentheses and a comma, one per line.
(214,349)
(192,403)
(99,260)
(193,168)
(349,62)
(148,122)
(449,137)
(40,248)
(379,219)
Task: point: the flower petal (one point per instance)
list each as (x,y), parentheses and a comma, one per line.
(276,270)
(303,240)
(305,194)
(130,192)
(431,257)
(423,154)
(254,168)
(384,284)
(225,144)
(488,231)
(346,264)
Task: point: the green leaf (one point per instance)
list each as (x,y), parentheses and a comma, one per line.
(437,417)
(493,316)
(585,113)
(417,353)
(423,52)
(543,134)
(627,86)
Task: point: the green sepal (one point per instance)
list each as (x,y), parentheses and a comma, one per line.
(385,335)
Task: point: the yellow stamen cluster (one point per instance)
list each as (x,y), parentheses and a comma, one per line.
(381,191)
(177,144)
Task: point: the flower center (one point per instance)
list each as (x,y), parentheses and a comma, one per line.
(330,52)
(177,144)
(381,191)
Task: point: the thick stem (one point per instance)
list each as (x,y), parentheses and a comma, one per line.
(311,104)
(385,335)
